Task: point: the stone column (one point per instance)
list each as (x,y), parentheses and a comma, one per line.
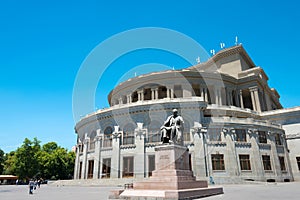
(128,98)
(216,91)
(142,95)
(237,98)
(200,167)
(172,93)
(258,103)
(253,100)
(206,95)
(120,101)
(202,93)
(97,160)
(220,97)
(156,93)
(152,94)
(255,157)
(231,165)
(115,158)
(139,95)
(168,92)
(241,99)
(139,156)
(84,161)
(274,155)
(231,97)
(77,161)
(228,97)
(286,156)
(268,102)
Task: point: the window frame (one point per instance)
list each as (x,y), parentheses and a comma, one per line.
(245,163)
(128,167)
(240,132)
(262,137)
(267,162)
(218,163)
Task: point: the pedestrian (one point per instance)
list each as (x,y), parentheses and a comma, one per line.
(35,183)
(39,183)
(30,185)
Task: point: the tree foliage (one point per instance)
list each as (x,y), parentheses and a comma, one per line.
(33,161)
(2,158)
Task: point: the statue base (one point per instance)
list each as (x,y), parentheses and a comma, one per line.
(172,179)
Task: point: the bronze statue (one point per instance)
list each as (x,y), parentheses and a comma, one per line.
(171,131)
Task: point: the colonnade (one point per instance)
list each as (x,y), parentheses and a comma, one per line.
(213,95)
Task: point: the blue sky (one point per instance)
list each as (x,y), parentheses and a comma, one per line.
(43,44)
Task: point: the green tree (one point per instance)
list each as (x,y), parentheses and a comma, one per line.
(9,163)
(26,164)
(49,147)
(2,159)
(56,162)
(31,160)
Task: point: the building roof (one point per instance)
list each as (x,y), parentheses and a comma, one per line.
(7,177)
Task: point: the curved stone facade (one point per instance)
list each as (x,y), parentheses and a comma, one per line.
(222,102)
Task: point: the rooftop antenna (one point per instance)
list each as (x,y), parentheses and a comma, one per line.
(222,45)
(134,74)
(236,40)
(212,51)
(198,60)
(173,68)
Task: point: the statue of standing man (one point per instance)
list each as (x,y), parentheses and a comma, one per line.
(171,131)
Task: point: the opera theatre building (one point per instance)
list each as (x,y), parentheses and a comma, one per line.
(234,127)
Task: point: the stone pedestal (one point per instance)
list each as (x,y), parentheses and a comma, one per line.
(172,178)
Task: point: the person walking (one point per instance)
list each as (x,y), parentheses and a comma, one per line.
(31,185)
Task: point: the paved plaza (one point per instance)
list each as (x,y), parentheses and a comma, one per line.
(263,191)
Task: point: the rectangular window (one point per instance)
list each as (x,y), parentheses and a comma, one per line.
(151,164)
(240,135)
(298,162)
(262,137)
(128,138)
(90,169)
(266,162)
(245,162)
(128,166)
(106,168)
(214,134)
(282,163)
(80,169)
(217,162)
(277,139)
(107,141)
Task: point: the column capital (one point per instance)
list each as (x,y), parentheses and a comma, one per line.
(99,137)
(254,88)
(117,133)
